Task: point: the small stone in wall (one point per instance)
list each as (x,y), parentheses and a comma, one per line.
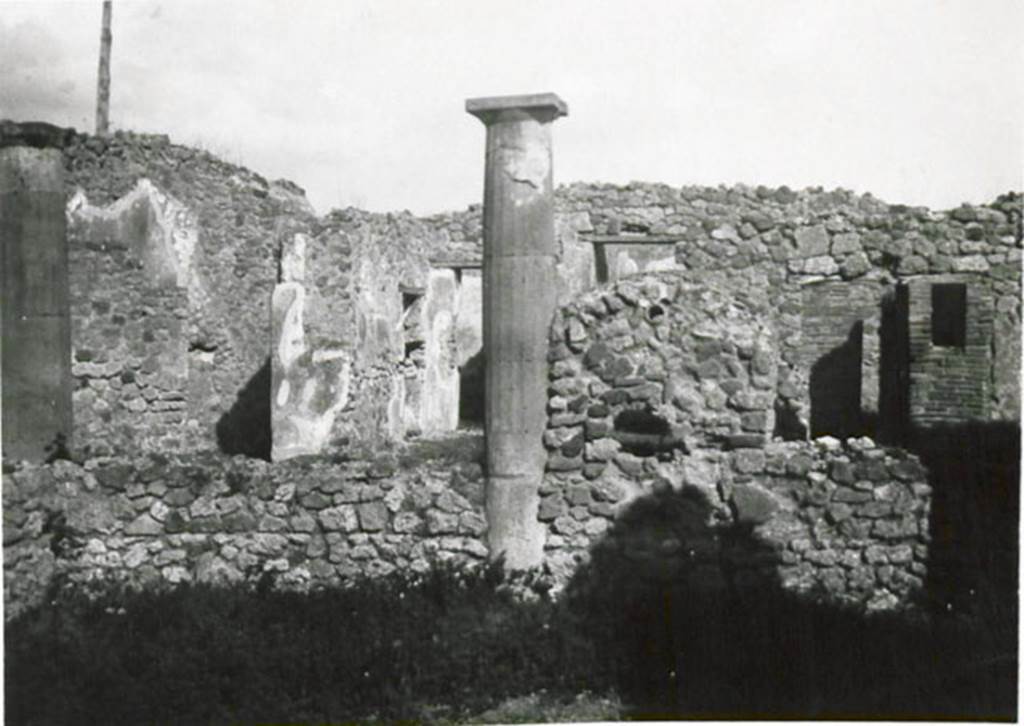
(838,512)
(745,441)
(450,501)
(551,508)
(596,527)
(752,505)
(557,462)
(269,544)
(811,241)
(270,523)
(855,265)
(340,518)
(593,470)
(472,523)
(843,244)
(554,438)
(576,335)
(567,525)
(748,461)
(630,464)
(971,263)
(442,523)
(602,450)
(144,525)
(579,494)
(407,522)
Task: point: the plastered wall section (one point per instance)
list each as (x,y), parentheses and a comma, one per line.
(231,271)
(130,319)
(368,333)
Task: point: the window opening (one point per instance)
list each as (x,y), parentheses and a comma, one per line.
(949,315)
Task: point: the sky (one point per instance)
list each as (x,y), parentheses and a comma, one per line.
(361,102)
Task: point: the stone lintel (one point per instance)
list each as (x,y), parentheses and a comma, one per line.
(492,108)
(627,239)
(461,263)
(36,134)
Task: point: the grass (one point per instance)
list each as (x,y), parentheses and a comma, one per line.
(441,646)
(457,647)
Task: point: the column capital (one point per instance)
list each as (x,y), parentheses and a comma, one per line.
(542,106)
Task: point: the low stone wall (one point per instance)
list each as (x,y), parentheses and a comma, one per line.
(209,519)
(838,522)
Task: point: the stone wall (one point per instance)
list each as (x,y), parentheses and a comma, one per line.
(800,239)
(227,229)
(153,518)
(180,234)
(661,399)
(152,210)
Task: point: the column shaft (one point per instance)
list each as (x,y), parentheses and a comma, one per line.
(518,297)
(36,336)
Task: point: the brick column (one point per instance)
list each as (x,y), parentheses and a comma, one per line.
(36,337)
(519,293)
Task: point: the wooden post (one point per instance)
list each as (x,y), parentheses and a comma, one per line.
(103,82)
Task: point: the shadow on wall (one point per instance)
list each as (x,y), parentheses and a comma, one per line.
(245,428)
(974,472)
(680,617)
(893,369)
(709,633)
(835,389)
(836,380)
(471,392)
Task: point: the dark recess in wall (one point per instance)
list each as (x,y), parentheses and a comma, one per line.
(643,433)
(893,370)
(471,392)
(245,428)
(949,315)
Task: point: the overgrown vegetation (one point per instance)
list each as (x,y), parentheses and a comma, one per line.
(456,646)
(421,647)
(451,646)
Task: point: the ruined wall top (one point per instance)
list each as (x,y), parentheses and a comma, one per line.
(37,134)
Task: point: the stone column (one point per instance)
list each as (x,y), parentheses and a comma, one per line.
(519,293)
(36,337)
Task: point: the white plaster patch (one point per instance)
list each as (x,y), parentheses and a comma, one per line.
(311,430)
(282,393)
(293,339)
(308,391)
(661,264)
(173,229)
(529,165)
(321,356)
(440,396)
(293,259)
(625,265)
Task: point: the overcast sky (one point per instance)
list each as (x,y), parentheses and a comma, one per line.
(361,101)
